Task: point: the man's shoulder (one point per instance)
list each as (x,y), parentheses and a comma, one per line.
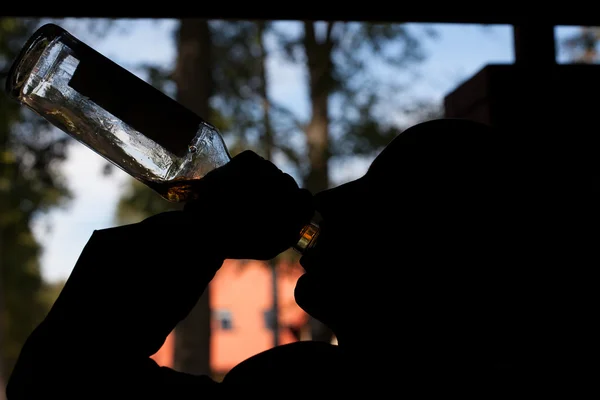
(305,363)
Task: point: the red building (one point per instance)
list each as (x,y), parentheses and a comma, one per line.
(241,298)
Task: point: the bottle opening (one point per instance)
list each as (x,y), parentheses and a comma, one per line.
(27,58)
(308,238)
(309,234)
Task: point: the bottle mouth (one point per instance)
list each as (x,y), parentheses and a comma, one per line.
(27,58)
(308,238)
(309,234)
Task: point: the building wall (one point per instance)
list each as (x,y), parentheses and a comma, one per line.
(241,297)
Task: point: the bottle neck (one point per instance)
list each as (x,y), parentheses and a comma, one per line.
(308,235)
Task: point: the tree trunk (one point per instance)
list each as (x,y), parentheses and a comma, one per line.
(3,209)
(2,316)
(268,148)
(194,88)
(320,69)
(268,139)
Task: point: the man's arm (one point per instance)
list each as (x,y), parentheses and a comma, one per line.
(133,284)
(115,311)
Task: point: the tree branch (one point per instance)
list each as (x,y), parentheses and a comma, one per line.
(310,40)
(328,36)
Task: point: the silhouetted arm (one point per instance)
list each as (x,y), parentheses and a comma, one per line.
(133,284)
(128,290)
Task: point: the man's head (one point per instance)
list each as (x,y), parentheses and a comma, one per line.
(423,239)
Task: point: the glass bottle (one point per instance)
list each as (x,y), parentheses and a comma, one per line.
(151,136)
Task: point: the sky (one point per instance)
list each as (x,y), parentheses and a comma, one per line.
(458,53)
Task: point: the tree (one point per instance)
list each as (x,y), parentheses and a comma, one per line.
(348,101)
(194,88)
(194,82)
(583,46)
(30,184)
(267,140)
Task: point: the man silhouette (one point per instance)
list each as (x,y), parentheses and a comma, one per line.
(430,270)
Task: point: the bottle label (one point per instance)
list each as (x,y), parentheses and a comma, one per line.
(135,102)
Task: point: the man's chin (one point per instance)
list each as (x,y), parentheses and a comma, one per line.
(302,293)
(311,296)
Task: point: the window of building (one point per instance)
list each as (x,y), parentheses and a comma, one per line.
(269,318)
(224,319)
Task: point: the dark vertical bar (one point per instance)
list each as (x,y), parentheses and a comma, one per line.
(275,311)
(2,355)
(535,44)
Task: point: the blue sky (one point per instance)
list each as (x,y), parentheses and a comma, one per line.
(459,52)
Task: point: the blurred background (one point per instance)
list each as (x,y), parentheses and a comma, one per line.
(319,99)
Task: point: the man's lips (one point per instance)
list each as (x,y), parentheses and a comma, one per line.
(312,258)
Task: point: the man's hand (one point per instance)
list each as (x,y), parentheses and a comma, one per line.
(252,209)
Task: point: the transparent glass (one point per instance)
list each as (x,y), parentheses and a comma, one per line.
(134,136)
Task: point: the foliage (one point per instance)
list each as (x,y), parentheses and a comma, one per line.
(30,184)
(583,46)
(358,66)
